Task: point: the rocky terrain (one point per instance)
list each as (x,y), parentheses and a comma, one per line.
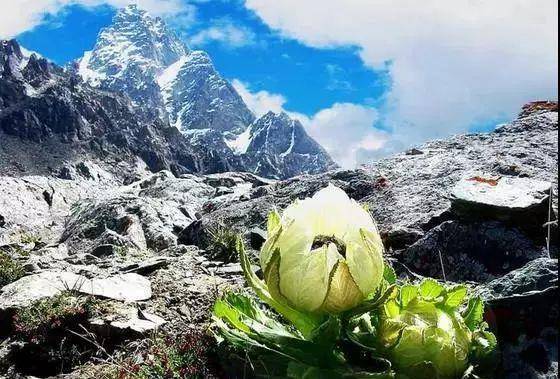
(156,250)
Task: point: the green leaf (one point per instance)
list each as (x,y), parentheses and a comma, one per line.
(408,293)
(389,274)
(392,309)
(430,289)
(304,322)
(240,321)
(273,222)
(474,313)
(455,296)
(372,304)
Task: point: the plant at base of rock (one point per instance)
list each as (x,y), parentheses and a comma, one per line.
(10,270)
(41,319)
(337,309)
(49,328)
(27,238)
(427,330)
(223,243)
(188,356)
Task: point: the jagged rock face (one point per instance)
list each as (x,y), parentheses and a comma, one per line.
(410,194)
(197,97)
(130,53)
(139,56)
(280,148)
(49,118)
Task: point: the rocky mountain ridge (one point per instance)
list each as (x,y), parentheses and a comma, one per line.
(141,57)
(50,121)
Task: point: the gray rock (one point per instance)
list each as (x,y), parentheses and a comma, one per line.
(148,266)
(125,323)
(533,279)
(104,250)
(524,301)
(257,237)
(502,198)
(25,291)
(125,287)
(476,251)
(406,192)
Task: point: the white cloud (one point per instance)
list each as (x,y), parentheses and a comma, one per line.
(259,102)
(345,130)
(452,63)
(19,16)
(225,32)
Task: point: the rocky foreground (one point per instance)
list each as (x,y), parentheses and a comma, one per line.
(154,254)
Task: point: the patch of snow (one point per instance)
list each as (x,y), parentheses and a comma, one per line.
(240,144)
(292,143)
(166,79)
(92,77)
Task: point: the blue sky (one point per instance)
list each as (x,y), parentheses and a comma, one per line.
(309,78)
(366,78)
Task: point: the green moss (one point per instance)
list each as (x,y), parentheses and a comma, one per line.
(26,237)
(10,270)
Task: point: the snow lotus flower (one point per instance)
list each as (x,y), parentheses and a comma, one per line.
(323,254)
(427,331)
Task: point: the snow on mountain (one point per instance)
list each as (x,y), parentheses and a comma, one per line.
(281,148)
(199,98)
(141,57)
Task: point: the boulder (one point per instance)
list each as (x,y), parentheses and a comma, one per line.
(23,292)
(522,309)
(516,200)
(124,322)
(475,251)
(524,301)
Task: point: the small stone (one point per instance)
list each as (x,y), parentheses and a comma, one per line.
(414,151)
(220,191)
(148,266)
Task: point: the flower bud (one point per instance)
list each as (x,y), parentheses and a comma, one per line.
(324,254)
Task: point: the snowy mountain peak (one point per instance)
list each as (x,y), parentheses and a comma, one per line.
(138,55)
(129,54)
(134,38)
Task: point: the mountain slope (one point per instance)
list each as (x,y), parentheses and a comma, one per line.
(140,57)
(279,147)
(61,120)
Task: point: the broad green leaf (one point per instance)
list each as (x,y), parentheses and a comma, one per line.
(455,296)
(430,289)
(392,309)
(474,313)
(408,293)
(389,274)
